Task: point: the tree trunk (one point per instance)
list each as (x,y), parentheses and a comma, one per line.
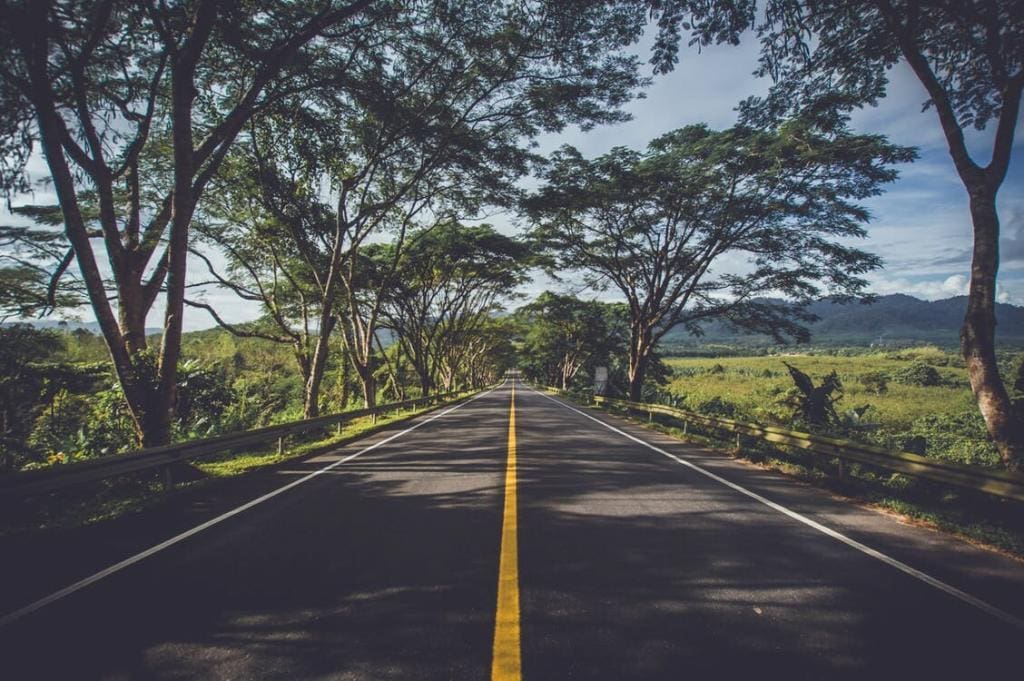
(311,397)
(183,204)
(345,369)
(639,353)
(426,385)
(369,383)
(977,336)
(636,379)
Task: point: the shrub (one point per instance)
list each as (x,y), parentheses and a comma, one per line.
(959,438)
(918,373)
(876,382)
(716,406)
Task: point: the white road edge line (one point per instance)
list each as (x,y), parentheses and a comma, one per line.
(117,567)
(853,543)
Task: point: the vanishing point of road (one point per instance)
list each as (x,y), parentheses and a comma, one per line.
(512,536)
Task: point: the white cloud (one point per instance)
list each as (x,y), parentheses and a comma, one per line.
(938,289)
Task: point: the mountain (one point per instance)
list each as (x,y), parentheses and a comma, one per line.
(890,320)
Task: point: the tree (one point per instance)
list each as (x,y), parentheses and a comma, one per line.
(968,55)
(449,282)
(656,226)
(563,335)
(32,263)
(137,103)
(815,405)
(21,381)
(429,126)
(284,244)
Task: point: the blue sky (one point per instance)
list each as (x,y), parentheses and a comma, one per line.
(921,224)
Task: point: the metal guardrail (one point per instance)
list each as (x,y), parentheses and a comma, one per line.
(30,483)
(998,483)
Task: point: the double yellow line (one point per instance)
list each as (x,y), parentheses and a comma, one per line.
(506,663)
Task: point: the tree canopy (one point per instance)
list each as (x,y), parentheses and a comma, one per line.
(658,226)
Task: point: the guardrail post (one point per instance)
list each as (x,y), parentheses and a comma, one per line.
(686,427)
(280,446)
(737,441)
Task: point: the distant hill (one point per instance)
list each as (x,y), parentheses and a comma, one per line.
(891,320)
(92,327)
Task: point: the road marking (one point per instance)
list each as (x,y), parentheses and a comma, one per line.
(853,543)
(506,664)
(117,567)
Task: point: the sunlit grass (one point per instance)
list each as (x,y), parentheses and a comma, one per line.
(755,384)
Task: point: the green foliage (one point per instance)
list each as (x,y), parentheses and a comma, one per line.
(204,396)
(814,405)
(21,381)
(958,438)
(564,337)
(715,406)
(839,52)
(876,382)
(780,198)
(917,373)
(936,420)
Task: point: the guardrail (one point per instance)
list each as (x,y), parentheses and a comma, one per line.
(998,483)
(29,483)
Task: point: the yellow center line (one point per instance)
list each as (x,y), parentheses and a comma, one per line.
(506,663)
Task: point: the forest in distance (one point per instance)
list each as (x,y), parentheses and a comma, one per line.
(335,167)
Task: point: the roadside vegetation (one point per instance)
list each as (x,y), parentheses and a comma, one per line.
(915,399)
(60,403)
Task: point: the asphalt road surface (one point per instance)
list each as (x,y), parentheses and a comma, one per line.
(572,545)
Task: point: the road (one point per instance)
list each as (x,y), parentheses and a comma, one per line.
(571,545)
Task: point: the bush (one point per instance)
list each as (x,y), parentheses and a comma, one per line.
(876,382)
(716,406)
(919,374)
(958,438)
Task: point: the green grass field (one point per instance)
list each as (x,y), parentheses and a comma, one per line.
(940,419)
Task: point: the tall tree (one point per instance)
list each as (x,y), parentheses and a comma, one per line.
(137,103)
(431,124)
(283,243)
(968,55)
(449,282)
(563,335)
(657,226)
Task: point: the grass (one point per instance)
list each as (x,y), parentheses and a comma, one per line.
(878,406)
(229,465)
(755,384)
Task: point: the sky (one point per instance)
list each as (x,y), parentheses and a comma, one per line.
(921,225)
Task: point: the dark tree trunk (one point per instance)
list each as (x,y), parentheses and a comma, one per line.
(639,355)
(426,385)
(977,336)
(315,376)
(345,369)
